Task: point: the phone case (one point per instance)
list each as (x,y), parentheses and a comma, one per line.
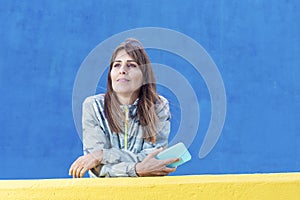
(176,151)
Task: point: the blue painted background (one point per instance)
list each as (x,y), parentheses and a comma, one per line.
(255,44)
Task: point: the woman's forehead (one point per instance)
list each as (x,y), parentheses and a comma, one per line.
(122,55)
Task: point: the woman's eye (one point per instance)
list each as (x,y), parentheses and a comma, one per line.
(131,65)
(117,65)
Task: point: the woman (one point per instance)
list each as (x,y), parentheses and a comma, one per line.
(125,128)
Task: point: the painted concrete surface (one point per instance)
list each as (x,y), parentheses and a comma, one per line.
(246,186)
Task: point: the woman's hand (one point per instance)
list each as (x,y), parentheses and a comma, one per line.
(85,163)
(150,166)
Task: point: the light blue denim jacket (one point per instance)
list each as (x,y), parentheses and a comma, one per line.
(117,161)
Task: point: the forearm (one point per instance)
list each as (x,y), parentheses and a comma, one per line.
(115,155)
(122,169)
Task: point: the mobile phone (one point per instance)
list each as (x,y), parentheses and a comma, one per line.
(176,151)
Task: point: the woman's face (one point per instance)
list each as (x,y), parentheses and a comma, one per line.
(126,76)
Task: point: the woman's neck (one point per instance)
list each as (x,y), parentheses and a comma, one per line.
(127,99)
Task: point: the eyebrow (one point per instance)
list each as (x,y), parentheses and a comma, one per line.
(126,61)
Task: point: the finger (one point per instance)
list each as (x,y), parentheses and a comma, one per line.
(73,173)
(171,160)
(74,170)
(71,170)
(78,171)
(82,172)
(155,152)
(163,173)
(169,169)
(74,164)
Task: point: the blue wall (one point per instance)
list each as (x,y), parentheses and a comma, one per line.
(255,44)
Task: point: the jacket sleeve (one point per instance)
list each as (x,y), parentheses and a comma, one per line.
(117,162)
(93,136)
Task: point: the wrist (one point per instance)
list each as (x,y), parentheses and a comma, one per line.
(135,168)
(138,170)
(98,155)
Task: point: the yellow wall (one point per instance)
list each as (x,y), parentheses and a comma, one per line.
(252,186)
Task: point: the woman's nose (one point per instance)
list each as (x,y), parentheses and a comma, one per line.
(123,69)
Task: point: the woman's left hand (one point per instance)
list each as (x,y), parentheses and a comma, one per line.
(85,163)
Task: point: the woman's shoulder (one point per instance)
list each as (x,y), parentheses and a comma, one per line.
(162,99)
(93,98)
(161,103)
(162,107)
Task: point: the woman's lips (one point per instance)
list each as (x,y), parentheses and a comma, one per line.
(122,80)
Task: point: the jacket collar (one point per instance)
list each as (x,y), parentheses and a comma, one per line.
(132,108)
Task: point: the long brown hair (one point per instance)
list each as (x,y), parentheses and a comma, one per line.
(147,94)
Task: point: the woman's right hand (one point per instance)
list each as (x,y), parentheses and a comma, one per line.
(150,166)
(85,163)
